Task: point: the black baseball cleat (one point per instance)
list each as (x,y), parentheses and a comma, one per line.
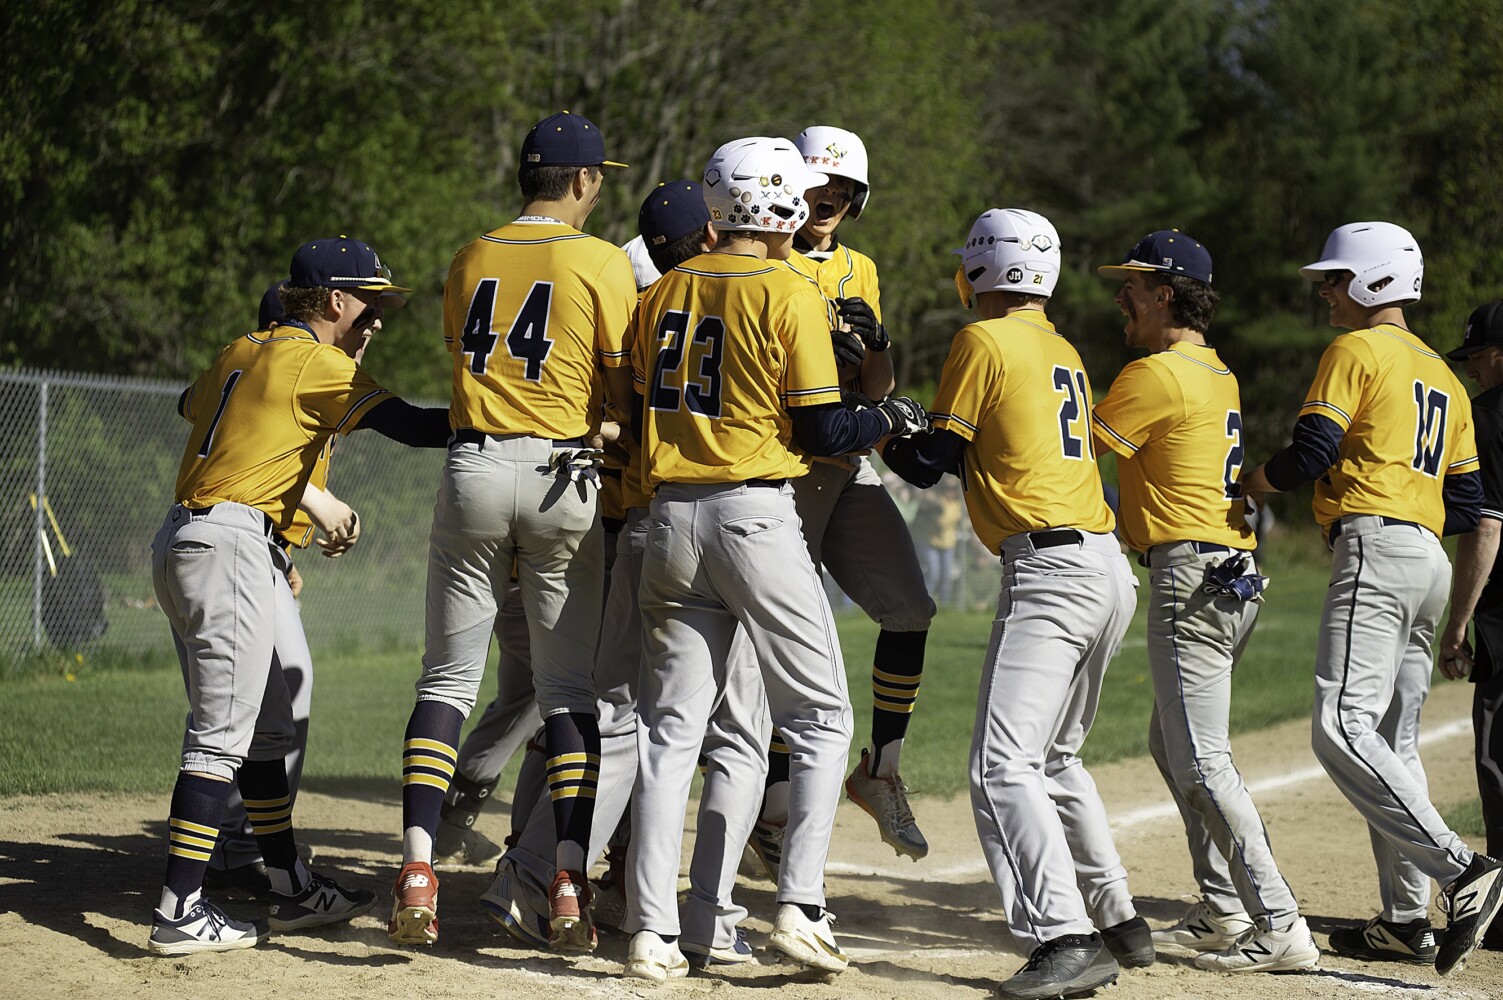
(1068,966)
(1472,901)
(1131,943)
(1382,940)
(250,879)
(322,901)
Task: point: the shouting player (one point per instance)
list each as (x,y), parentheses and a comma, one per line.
(1013,416)
(532,312)
(1174,419)
(731,352)
(1386,435)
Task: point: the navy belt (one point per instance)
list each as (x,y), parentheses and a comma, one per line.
(199,513)
(469,435)
(1388,522)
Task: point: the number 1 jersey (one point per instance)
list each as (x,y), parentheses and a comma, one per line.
(530,311)
(1017,391)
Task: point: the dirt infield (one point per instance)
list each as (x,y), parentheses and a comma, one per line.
(78,879)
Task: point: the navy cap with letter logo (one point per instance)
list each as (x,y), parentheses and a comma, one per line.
(1484,328)
(673,210)
(564,140)
(1167,251)
(340,263)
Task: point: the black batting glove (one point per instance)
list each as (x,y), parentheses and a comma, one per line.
(906,415)
(848,349)
(863,322)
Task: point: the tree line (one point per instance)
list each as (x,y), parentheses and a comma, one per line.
(159,161)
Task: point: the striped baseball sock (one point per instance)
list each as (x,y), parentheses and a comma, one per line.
(428,756)
(268,803)
(198,804)
(573,774)
(897,670)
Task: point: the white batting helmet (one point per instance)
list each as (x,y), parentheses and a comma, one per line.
(1009,250)
(758,184)
(642,268)
(838,153)
(1373,251)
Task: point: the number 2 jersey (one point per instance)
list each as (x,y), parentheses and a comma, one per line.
(1406,423)
(722,347)
(530,311)
(262,416)
(1017,392)
(1175,420)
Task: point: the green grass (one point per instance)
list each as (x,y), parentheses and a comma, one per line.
(112,721)
(1466,818)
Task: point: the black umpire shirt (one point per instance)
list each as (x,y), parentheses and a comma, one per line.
(1487,417)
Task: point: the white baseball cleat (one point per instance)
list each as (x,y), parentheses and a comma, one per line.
(810,943)
(650,957)
(1203,929)
(205,927)
(1266,951)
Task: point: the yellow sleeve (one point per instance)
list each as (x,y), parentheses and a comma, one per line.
(1141,405)
(1340,383)
(1462,446)
(810,378)
(971,377)
(187,403)
(615,300)
(643,347)
(333,393)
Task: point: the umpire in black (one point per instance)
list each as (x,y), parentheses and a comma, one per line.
(1477,587)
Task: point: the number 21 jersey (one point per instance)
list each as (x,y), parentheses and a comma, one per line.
(530,310)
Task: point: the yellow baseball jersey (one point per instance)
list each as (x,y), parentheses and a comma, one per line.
(1017,391)
(1406,423)
(722,347)
(300,532)
(262,415)
(846,274)
(1175,420)
(530,312)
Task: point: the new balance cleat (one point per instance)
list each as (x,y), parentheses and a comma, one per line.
(885,799)
(1471,902)
(1203,929)
(414,905)
(1068,966)
(205,927)
(323,901)
(569,924)
(810,943)
(1288,950)
(650,957)
(1414,943)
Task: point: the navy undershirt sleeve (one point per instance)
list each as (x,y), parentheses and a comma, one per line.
(414,426)
(830,429)
(1315,448)
(1462,492)
(923,459)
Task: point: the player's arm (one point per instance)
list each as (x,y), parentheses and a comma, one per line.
(1142,404)
(877,378)
(922,460)
(829,429)
(334,518)
(414,426)
(971,372)
(1477,550)
(1323,421)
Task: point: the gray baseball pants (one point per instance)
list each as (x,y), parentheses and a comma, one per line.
(1061,616)
(1389,586)
(511,717)
(1194,642)
(720,556)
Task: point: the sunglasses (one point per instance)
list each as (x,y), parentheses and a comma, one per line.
(1334,278)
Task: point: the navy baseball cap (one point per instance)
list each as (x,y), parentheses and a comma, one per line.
(565,140)
(673,210)
(1484,328)
(1167,251)
(271,308)
(340,263)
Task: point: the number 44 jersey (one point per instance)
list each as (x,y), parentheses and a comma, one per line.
(1406,423)
(722,347)
(530,311)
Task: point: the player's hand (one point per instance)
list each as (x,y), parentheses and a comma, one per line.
(344,534)
(294,580)
(906,415)
(1455,652)
(849,351)
(862,321)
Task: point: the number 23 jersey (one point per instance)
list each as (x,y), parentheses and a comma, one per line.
(1406,422)
(1017,391)
(530,311)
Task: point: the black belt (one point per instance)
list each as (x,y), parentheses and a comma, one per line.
(267,524)
(772,484)
(1388,522)
(469,435)
(1200,549)
(1050,537)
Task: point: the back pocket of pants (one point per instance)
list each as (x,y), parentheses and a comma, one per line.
(754,525)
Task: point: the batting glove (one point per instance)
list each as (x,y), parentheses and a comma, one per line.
(581,465)
(849,352)
(906,415)
(863,322)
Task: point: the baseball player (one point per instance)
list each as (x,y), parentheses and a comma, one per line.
(1386,434)
(1013,415)
(729,351)
(532,313)
(1475,592)
(261,416)
(844,507)
(1174,418)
